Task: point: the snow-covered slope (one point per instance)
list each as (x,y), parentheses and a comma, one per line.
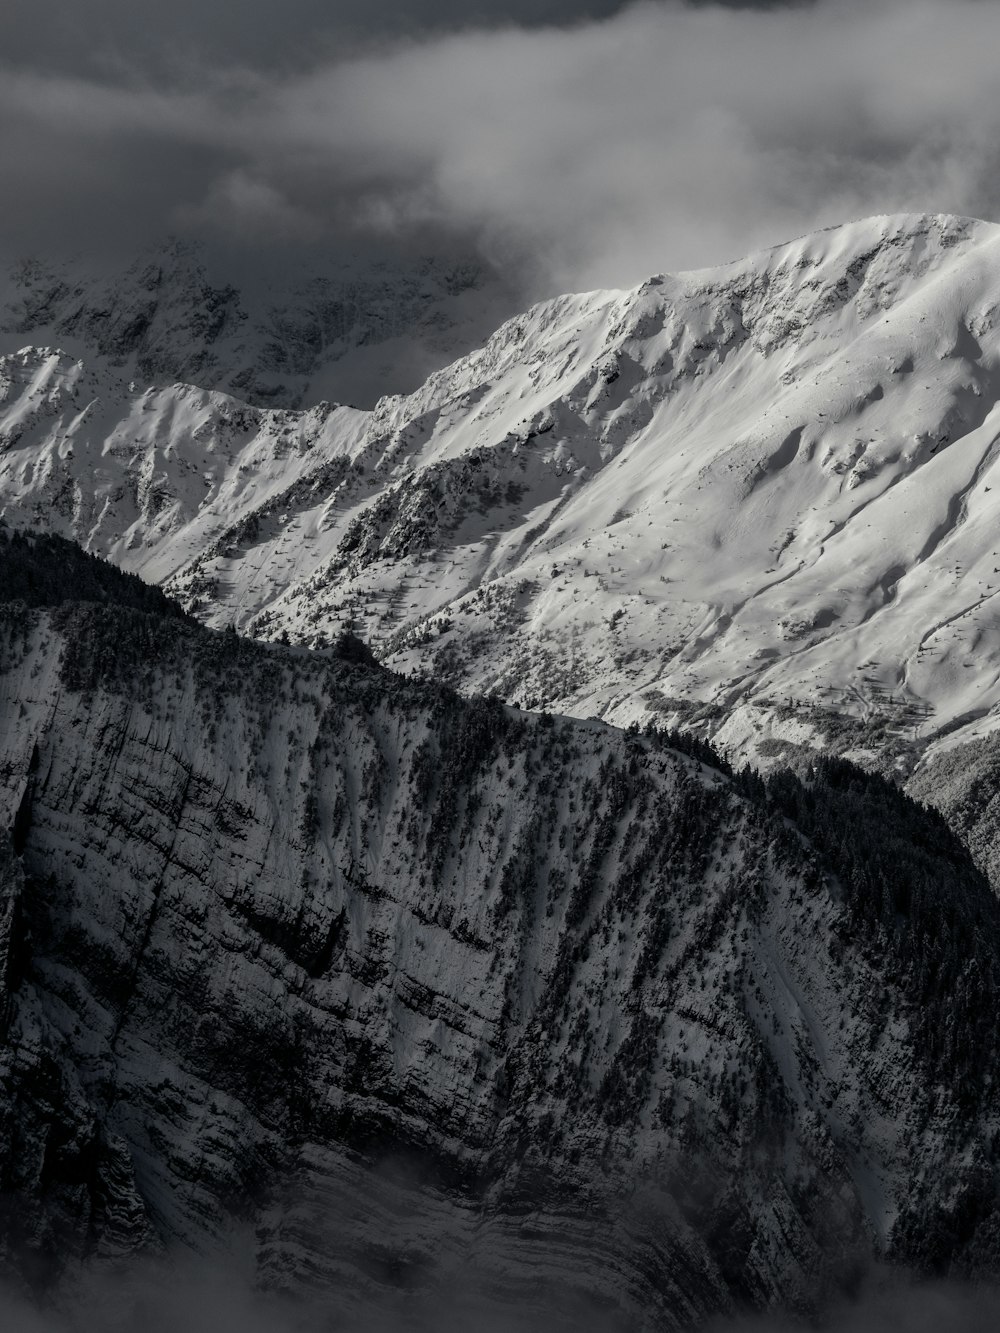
(763,496)
(426,995)
(347,329)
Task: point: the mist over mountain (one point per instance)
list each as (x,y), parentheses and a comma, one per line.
(283,333)
(209,1299)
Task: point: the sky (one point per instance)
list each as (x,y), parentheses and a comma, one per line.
(570,143)
(105,35)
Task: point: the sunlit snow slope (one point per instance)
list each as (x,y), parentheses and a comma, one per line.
(769,482)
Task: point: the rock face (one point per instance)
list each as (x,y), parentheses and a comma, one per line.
(416,991)
(760,499)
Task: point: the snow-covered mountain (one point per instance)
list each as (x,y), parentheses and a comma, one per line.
(760,498)
(423,995)
(351,328)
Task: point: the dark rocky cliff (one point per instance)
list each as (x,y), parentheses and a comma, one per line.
(414,990)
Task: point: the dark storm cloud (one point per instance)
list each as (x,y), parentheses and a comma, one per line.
(661,136)
(112,35)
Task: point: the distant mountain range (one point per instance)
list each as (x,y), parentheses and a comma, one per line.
(353,328)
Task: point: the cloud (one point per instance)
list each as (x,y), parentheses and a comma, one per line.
(663,136)
(257,210)
(120,35)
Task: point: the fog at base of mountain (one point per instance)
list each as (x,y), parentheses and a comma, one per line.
(192,1296)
